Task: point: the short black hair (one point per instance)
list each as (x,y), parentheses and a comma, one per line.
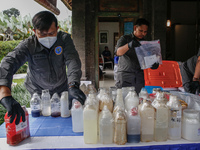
(142,21)
(43,20)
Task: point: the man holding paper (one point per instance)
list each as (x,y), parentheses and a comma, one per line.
(129,72)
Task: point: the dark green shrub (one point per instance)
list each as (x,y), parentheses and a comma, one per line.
(8,46)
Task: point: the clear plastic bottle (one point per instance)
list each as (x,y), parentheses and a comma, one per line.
(17,133)
(125,91)
(46,103)
(106,126)
(55,105)
(83,87)
(105,99)
(175,110)
(161,119)
(113,93)
(133,125)
(147,113)
(191,125)
(143,94)
(131,99)
(35,104)
(90,117)
(119,104)
(64,105)
(90,89)
(120,135)
(77,116)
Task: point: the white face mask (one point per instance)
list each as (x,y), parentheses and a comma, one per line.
(48,41)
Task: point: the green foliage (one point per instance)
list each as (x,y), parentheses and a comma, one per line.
(8,46)
(11,12)
(21,95)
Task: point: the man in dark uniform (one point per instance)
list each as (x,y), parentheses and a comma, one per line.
(48,52)
(129,72)
(190,72)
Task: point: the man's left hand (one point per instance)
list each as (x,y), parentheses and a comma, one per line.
(75,93)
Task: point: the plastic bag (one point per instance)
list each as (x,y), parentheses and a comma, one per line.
(149,53)
(192,100)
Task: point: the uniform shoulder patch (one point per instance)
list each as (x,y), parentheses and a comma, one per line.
(58,50)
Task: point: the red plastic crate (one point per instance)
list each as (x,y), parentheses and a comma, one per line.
(167,75)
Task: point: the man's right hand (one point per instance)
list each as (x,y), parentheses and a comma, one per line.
(133,43)
(193,86)
(13,108)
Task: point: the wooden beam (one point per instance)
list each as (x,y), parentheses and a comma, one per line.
(50,5)
(68,3)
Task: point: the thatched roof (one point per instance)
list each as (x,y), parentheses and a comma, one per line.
(51,5)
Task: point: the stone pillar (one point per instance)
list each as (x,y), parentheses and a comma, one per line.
(155,11)
(78,32)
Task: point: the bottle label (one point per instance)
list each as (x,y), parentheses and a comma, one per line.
(21,126)
(35,107)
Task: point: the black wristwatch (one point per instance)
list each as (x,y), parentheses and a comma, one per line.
(73,84)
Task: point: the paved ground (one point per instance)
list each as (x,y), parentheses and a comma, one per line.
(19,76)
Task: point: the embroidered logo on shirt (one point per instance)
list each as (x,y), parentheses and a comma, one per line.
(58,50)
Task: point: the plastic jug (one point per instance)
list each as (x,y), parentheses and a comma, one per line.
(77,116)
(64,105)
(46,103)
(35,105)
(175,111)
(55,105)
(106,126)
(17,133)
(147,113)
(131,99)
(90,117)
(161,119)
(191,125)
(133,125)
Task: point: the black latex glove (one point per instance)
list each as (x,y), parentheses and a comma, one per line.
(133,43)
(193,86)
(155,65)
(13,108)
(75,93)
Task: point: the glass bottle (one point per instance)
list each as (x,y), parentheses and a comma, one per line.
(64,105)
(120,135)
(55,105)
(46,103)
(106,126)
(77,116)
(133,125)
(119,104)
(147,113)
(105,99)
(90,117)
(131,99)
(175,110)
(191,125)
(113,94)
(161,119)
(35,104)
